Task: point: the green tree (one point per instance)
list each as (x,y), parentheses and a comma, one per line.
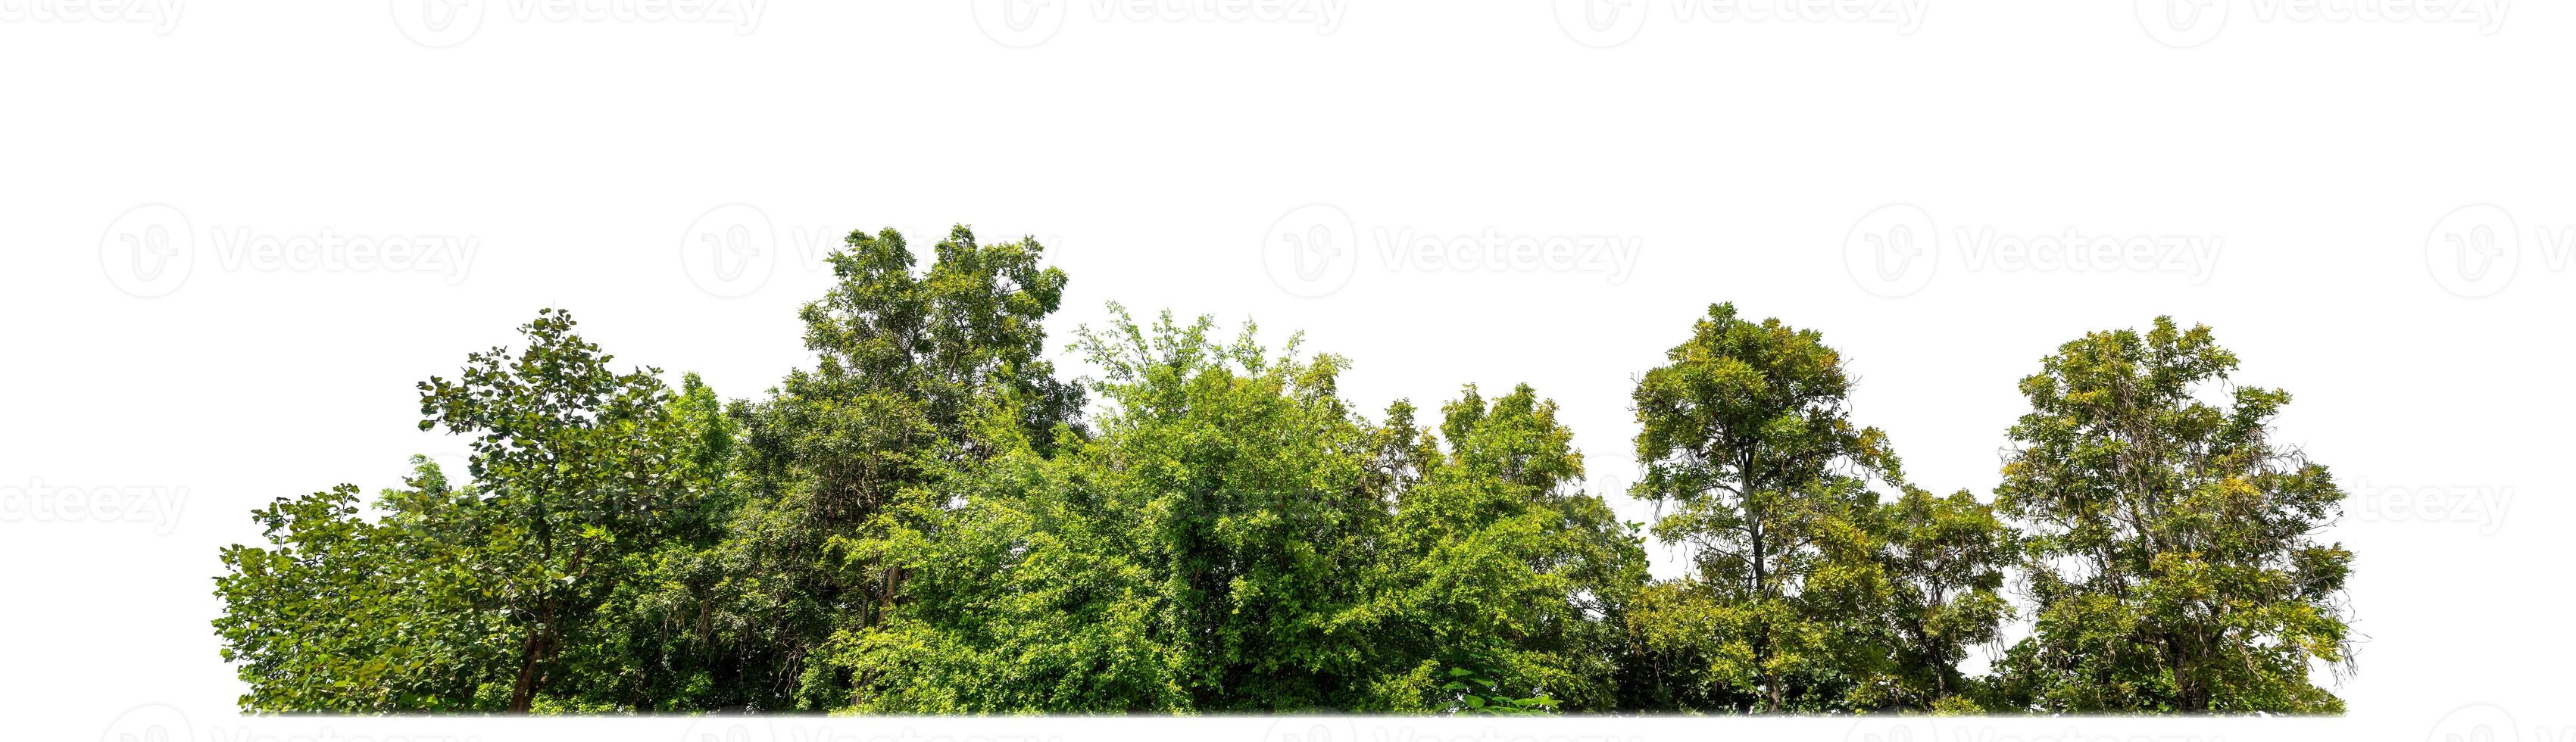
(343,614)
(648,648)
(1746,436)
(577,470)
(921,524)
(1200,554)
(467,598)
(839,453)
(2171,550)
(1944,558)
(1506,580)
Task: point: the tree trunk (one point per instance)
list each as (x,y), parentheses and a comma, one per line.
(523,692)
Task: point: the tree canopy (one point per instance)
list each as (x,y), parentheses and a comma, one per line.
(928,519)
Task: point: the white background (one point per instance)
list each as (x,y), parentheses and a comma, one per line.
(586,159)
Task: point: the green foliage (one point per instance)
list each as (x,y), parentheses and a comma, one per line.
(925,521)
(1235,539)
(1191,557)
(1482,696)
(1745,434)
(482,597)
(1944,560)
(2170,551)
(835,462)
(1498,561)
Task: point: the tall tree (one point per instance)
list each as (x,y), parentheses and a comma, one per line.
(577,470)
(1746,436)
(903,361)
(1503,570)
(650,641)
(1944,559)
(2172,553)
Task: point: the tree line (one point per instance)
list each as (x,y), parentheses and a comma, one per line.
(930,520)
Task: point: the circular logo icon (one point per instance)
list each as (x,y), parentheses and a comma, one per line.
(1312,250)
(728,729)
(155,723)
(2478,723)
(1020,24)
(730,251)
(1892,251)
(2182,24)
(438,24)
(148,251)
(1312,729)
(1601,24)
(1892,728)
(2474,251)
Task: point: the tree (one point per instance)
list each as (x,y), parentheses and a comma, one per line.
(1506,580)
(903,362)
(468,598)
(341,614)
(1745,433)
(648,647)
(922,523)
(1203,553)
(2171,550)
(1944,558)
